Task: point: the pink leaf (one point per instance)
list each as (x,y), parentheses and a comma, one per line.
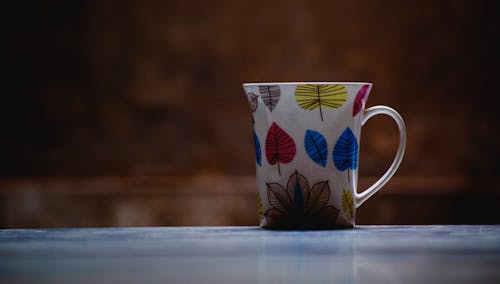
(280,147)
(360,99)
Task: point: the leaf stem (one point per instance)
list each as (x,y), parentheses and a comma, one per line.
(319,102)
(270,98)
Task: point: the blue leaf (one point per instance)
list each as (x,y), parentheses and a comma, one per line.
(316,147)
(258,153)
(345,152)
(298,198)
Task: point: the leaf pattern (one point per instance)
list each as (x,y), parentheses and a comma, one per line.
(347,203)
(270,95)
(298,183)
(298,206)
(345,152)
(258,152)
(359,101)
(252,99)
(280,147)
(278,197)
(318,197)
(260,210)
(316,147)
(321,96)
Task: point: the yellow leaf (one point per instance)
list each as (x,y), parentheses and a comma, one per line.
(321,96)
(260,211)
(347,203)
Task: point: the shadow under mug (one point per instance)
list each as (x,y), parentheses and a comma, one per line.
(307,148)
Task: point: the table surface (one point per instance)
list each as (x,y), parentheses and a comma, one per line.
(366,254)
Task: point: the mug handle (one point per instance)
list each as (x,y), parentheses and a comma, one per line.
(369,113)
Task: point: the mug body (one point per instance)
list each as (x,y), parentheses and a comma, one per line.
(306,139)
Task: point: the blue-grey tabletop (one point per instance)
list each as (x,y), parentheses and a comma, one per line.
(366,254)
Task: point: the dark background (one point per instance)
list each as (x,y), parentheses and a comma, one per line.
(141,96)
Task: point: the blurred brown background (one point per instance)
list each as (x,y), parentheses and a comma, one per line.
(129,113)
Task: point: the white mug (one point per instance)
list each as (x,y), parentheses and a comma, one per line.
(307,147)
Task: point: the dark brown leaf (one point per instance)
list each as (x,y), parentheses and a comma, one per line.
(317,197)
(278,197)
(273,217)
(330,213)
(295,180)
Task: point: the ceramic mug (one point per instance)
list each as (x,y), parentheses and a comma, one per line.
(307,147)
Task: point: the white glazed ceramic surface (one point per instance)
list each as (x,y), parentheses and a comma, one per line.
(307,146)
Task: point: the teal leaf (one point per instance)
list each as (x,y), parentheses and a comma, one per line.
(298,197)
(345,152)
(258,152)
(316,147)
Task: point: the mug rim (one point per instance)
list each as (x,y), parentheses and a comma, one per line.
(301,83)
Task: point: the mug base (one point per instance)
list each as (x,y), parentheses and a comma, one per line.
(305,227)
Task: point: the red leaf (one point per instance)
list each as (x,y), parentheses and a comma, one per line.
(360,99)
(280,147)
